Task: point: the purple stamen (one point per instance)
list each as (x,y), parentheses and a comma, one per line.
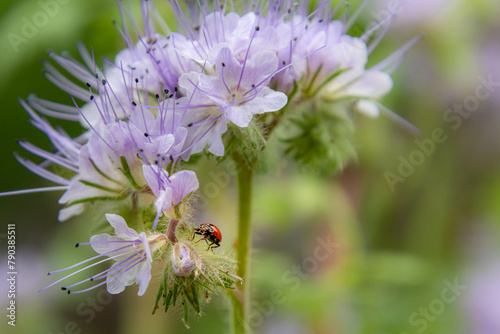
(91,288)
(94,100)
(282,69)
(246,58)
(76,272)
(117,99)
(156,219)
(107,280)
(122,264)
(90,125)
(224,80)
(33,190)
(91,259)
(125,34)
(107,242)
(196,142)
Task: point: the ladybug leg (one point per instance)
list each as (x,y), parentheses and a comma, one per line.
(195,231)
(211,246)
(201,240)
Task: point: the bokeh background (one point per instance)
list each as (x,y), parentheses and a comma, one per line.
(418,254)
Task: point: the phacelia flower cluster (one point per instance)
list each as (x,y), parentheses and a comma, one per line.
(169,95)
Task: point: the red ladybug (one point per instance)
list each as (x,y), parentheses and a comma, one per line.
(210,232)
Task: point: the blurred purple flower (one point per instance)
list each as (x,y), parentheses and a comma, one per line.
(411,13)
(482,300)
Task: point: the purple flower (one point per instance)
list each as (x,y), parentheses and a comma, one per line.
(132,252)
(166,97)
(235,93)
(109,165)
(481,301)
(365,86)
(408,14)
(169,191)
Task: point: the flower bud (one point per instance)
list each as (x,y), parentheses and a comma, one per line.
(182,262)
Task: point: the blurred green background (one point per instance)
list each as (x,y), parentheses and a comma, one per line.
(395,249)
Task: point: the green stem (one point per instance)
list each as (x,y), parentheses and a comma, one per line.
(241,305)
(238,313)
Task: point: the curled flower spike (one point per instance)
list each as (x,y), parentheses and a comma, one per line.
(132,252)
(192,274)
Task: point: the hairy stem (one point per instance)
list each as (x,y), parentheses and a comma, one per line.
(240,305)
(238,313)
(171,230)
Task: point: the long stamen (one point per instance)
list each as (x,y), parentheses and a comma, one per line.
(98,276)
(196,142)
(85,261)
(224,79)
(80,270)
(125,263)
(33,190)
(90,125)
(107,279)
(246,57)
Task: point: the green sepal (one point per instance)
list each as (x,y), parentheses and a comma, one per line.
(313,79)
(328,79)
(99,198)
(185,319)
(101,187)
(191,298)
(158,297)
(168,300)
(128,174)
(98,170)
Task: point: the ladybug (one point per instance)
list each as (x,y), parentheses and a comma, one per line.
(210,233)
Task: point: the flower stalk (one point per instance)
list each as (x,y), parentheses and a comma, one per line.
(241,305)
(171,231)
